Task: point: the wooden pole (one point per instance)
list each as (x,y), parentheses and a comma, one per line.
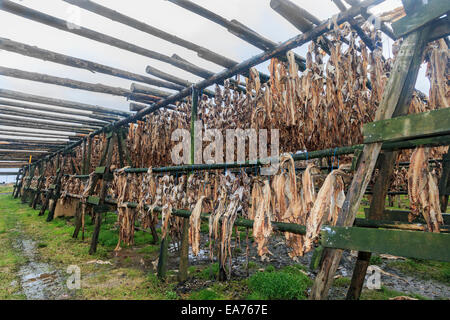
(57,192)
(102,195)
(46,55)
(14,111)
(60,111)
(24,122)
(23,133)
(51,21)
(74,84)
(237,28)
(168,77)
(397,93)
(39,186)
(78,106)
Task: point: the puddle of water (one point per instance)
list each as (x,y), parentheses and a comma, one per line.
(39,280)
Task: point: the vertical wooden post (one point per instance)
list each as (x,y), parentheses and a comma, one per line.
(19,182)
(444,182)
(103,188)
(29,178)
(34,202)
(397,95)
(16,185)
(49,194)
(163,255)
(57,192)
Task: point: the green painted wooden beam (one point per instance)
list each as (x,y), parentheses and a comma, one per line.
(411,244)
(420,16)
(426,124)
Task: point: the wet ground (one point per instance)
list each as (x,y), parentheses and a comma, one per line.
(39,280)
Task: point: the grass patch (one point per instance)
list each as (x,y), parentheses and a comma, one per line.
(289,283)
(386,294)
(426,269)
(206,294)
(342,282)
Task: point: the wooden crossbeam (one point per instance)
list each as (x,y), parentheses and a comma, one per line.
(431,123)
(61,24)
(97,110)
(236,28)
(47,55)
(419,15)
(411,244)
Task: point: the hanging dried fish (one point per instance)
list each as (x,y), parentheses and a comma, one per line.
(423,191)
(326,208)
(262,225)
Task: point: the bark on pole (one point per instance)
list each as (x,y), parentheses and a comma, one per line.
(397,94)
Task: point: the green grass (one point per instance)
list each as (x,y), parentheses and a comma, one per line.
(386,294)
(289,283)
(342,282)
(425,269)
(206,294)
(56,246)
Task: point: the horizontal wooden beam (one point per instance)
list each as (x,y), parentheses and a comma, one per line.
(65,82)
(420,16)
(144,27)
(17,111)
(40,142)
(39,134)
(47,55)
(63,25)
(8,173)
(411,244)
(58,110)
(441,29)
(402,215)
(10,94)
(6,165)
(30,123)
(237,28)
(168,77)
(431,123)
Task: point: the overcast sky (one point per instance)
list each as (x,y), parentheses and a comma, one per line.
(162,14)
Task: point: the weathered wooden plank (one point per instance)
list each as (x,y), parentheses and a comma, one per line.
(402,216)
(421,15)
(411,244)
(93,200)
(408,127)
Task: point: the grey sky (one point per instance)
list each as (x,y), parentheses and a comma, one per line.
(162,14)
